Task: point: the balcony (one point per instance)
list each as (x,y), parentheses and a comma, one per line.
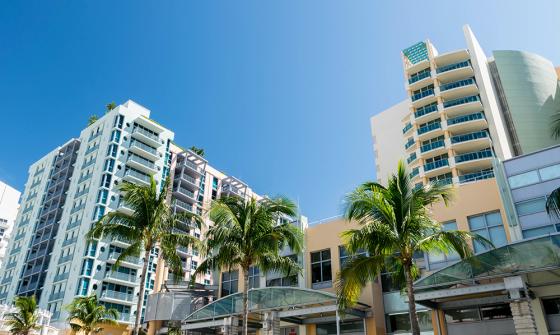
(460,88)
(124,208)
(188,181)
(135,262)
(19,236)
(141,164)
(419,79)
(61,277)
(136,177)
(27,210)
(455,71)
(430,130)
(118,297)
(74,224)
(15,250)
(474,161)
(475,176)
(82,192)
(84,178)
(406,128)
(88,163)
(57,296)
(37,182)
(185,194)
(183,205)
(462,106)
(423,98)
(69,241)
(91,149)
(434,168)
(411,158)
(410,143)
(120,277)
(426,113)
(124,317)
(11,265)
(191,166)
(78,208)
(443,182)
(146,137)
(6,280)
(466,123)
(434,148)
(94,136)
(414,173)
(474,141)
(143,150)
(64,259)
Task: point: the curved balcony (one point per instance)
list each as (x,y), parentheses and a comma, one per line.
(426,113)
(457,89)
(414,173)
(131,261)
(455,71)
(417,67)
(412,158)
(431,130)
(475,176)
(467,123)
(184,194)
(410,144)
(433,149)
(462,106)
(436,168)
(473,161)
(423,98)
(419,79)
(470,142)
(407,128)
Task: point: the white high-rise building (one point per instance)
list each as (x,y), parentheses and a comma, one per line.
(9,205)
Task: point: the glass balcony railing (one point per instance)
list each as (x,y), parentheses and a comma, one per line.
(414,172)
(419,76)
(117,295)
(422,94)
(411,158)
(436,164)
(456,84)
(430,127)
(188,178)
(146,133)
(84,178)
(407,128)
(92,149)
(186,192)
(56,296)
(144,147)
(471,156)
(469,137)
(61,276)
(425,110)
(461,101)
(146,162)
(453,66)
(113,256)
(443,182)
(432,146)
(64,259)
(475,176)
(465,118)
(94,136)
(184,205)
(409,143)
(129,277)
(137,175)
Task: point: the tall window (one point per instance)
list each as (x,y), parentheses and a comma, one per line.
(321,271)
(229,282)
(109,165)
(254,277)
(437,259)
(488,225)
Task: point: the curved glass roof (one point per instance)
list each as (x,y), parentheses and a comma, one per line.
(542,253)
(262,299)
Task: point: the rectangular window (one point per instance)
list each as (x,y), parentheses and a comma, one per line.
(194,265)
(102,196)
(116,136)
(83,286)
(550,172)
(109,165)
(437,259)
(254,277)
(321,271)
(488,225)
(229,283)
(345,256)
(531,206)
(112,150)
(87,267)
(400,323)
(119,119)
(106,181)
(524,179)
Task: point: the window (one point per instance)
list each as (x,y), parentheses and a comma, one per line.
(437,259)
(254,277)
(98,213)
(116,136)
(550,172)
(346,327)
(109,165)
(289,281)
(229,282)
(102,196)
(118,121)
(345,256)
(112,150)
(494,312)
(400,323)
(321,271)
(531,206)
(551,306)
(106,181)
(523,179)
(83,285)
(87,267)
(488,225)
(194,265)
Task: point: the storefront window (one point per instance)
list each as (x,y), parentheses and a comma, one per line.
(400,323)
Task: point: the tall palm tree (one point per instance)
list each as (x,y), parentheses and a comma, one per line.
(26,319)
(395,223)
(87,315)
(152,224)
(553,201)
(250,232)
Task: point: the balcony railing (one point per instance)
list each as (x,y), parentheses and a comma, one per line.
(88,163)
(461,101)
(146,133)
(128,277)
(425,110)
(456,84)
(84,178)
(469,137)
(61,276)
(56,296)
(407,128)
(92,149)
(11,265)
(453,66)
(144,147)
(15,250)
(419,76)
(444,181)
(94,136)
(64,259)
(409,143)
(432,146)
(78,208)
(411,158)
(436,164)
(430,127)
(70,241)
(146,162)
(137,175)
(186,192)
(414,172)
(130,259)
(465,118)
(116,295)
(422,94)
(480,175)
(473,156)
(183,205)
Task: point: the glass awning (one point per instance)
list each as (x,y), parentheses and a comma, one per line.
(262,299)
(542,253)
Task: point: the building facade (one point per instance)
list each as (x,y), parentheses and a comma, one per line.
(9,206)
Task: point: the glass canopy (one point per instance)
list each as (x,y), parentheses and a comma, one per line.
(262,299)
(542,253)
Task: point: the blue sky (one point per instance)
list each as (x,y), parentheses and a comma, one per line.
(278,93)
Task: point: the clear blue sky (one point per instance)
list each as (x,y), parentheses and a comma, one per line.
(278,93)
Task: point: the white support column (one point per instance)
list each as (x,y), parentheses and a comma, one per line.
(337,323)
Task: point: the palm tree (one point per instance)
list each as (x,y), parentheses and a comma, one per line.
(395,223)
(86,315)
(26,319)
(556,125)
(198,151)
(92,119)
(250,232)
(152,224)
(553,200)
(110,106)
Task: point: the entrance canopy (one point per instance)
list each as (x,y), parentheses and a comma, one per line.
(527,256)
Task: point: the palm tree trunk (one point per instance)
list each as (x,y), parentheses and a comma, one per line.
(245,300)
(411,302)
(141,292)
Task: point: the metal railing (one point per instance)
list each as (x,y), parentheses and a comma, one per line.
(465,118)
(61,276)
(430,127)
(461,101)
(128,277)
(91,149)
(453,66)
(56,296)
(130,259)
(422,94)
(137,175)
(425,110)
(146,162)
(469,137)
(456,84)
(116,295)
(144,147)
(409,143)
(475,176)
(411,158)
(407,128)
(473,156)
(414,172)
(436,164)
(432,146)
(146,133)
